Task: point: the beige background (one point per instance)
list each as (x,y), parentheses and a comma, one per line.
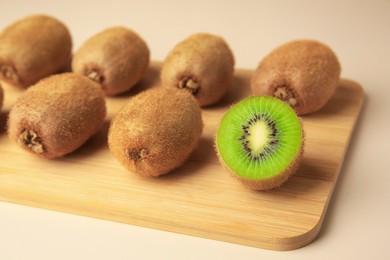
(357,224)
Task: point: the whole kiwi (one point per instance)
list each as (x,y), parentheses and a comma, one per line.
(116,58)
(33,48)
(203,64)
(156,131)
(303,73)
(57,115)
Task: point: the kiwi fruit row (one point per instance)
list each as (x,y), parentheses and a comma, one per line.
(260,140)
(303,73)
(38,46)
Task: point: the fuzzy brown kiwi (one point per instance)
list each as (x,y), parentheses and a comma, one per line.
(203,64)
(156,131)
(33,48)
(303,73)
(116,58)
(57,115)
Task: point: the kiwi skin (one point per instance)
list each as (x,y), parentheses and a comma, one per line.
(1,97)
(303,73)
(33,48)
(116,58)
(203,64)
(57,115)
(156,131)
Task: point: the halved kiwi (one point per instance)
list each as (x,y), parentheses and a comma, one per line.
(260,141)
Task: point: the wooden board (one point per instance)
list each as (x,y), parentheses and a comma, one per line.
(199,198)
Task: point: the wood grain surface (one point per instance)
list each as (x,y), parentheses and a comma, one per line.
(199,198)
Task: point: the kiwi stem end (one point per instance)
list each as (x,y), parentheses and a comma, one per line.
(137,154)
(189,84)
(285,94)
(31,140)
(95,76)
(8,72)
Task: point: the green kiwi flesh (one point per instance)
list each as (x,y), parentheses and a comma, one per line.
(203,64)
(260,142)
(116,58)
(156,131)
(33,48)
(57,115)
(303,73)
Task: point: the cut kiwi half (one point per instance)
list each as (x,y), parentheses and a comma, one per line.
(260,142)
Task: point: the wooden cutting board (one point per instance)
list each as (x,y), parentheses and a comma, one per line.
(199,198)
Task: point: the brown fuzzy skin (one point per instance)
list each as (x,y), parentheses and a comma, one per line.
(117,58)
(270,183)
(304,73)
(33,48)
(206,62)
(57,115)
(1,97)
(156,131)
